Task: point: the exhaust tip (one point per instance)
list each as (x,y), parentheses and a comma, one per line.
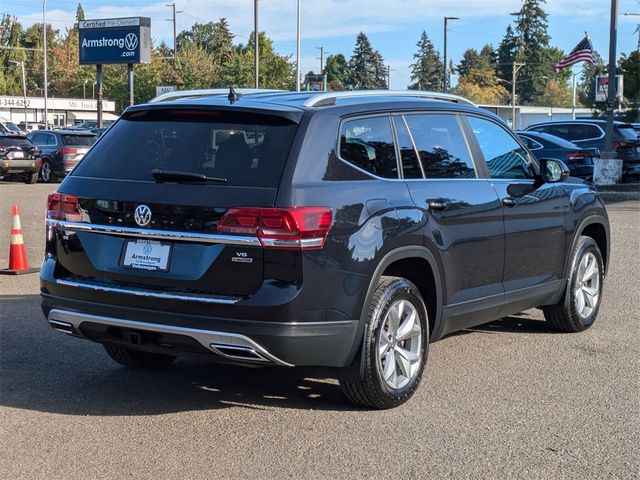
(239,352)
(64,327)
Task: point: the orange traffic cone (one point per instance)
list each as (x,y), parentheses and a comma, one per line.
(17,254)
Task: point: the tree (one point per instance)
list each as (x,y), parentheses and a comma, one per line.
(556,94)
(506,54)
(365,66)
(215,38)
(427,71)
(587,85)
(481,85)
(532,50)
(79,13)
(630,68)
(471,59)
(336,69)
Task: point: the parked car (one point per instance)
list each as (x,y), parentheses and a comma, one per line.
(91,124)
(61,150)
(354,229)
(590,133)
(18,158)
(30,127)
(7,126)
(579,160)
(636,127)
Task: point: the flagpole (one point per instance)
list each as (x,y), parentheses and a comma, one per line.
(573,104)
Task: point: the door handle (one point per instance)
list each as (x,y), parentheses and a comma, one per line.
(509,202)
(437,204)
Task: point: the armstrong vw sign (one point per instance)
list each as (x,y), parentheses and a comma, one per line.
(115,40)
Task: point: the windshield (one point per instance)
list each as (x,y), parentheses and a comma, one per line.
(246,149)
(11,127)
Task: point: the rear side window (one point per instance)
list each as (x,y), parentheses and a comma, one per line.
(530,143)
(368,144)
(504,156)
(441,146)
(80,140)
(246,149)
(51,139)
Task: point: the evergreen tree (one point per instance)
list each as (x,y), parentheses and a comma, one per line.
(336,69)
(472,59)
(79,13)
(532,49)
(507,53)
(427,71)
(365,66)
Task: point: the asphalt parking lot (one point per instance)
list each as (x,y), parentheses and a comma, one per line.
(510,399)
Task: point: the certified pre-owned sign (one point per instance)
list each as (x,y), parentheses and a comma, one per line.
(125,40)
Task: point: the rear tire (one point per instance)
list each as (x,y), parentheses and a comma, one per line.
(46,172)
(395,347)
(30,178)
(580,303)
(138,359)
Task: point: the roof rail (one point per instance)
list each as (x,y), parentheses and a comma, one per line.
(207,92)
(329,98)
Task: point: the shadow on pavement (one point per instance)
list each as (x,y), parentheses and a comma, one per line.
(44,370)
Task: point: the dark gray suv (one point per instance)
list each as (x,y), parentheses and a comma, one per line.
(345,230)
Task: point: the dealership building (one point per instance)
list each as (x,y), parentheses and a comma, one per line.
(61,111)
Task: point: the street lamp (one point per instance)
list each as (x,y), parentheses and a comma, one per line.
(24,89)
(445,83)
(45,64)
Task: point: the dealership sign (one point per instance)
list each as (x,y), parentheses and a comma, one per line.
(115,40)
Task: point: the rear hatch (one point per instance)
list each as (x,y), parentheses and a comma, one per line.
(17,153)
(628,145)
(142,212)
(75,147)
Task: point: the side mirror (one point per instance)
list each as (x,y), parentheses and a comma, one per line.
(552,170)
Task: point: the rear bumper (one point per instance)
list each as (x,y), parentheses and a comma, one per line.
(13,167)
(291,343)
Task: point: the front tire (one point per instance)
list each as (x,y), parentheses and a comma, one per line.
(579,306)
(138,359)
(395,347)
(30,178)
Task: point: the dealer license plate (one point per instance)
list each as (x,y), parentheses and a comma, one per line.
(143,254)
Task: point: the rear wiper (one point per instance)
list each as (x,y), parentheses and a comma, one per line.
(186,177)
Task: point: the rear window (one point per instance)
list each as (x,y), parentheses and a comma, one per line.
(79,140)
(14,142)
(246,149)
(628,132)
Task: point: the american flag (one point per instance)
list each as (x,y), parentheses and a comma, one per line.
(582,53)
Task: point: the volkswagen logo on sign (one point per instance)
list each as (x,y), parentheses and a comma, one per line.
(131,41)
(142,215)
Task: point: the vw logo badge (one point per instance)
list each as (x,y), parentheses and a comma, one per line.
(142,215)
(131,41)
(147,249)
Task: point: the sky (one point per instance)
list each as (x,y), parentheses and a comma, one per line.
(393,26)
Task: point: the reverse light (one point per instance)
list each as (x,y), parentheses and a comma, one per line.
(63,207)
(304,228)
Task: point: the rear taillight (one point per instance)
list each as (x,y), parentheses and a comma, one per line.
(291,228)
(576,155)
(63,207)
(68,151)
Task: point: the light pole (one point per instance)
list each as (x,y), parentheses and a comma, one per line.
(256,43)
(46,66)
(24,89)
(610,152)
(298,50)
(446,78)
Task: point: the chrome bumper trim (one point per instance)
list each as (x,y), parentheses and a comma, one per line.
(155,234)
(211,340)
(140,292)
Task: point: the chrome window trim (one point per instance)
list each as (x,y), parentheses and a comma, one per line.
(155,234)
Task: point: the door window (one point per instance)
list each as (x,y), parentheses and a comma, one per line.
(368,144)
(504,156)
(441,146)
